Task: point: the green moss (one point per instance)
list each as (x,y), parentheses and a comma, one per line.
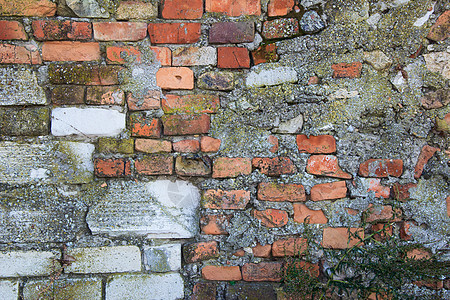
(112,145)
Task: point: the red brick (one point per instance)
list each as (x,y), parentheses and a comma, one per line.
(281,192)
(271,217)
(182,9)
(185,166)
(302,212)
(404,231)
(232,32)
(156,164)
(441,29)
(339,238)
(12,30)
(144,126)
(119,31)
(175,78)
(225,167)
(265,53)
(104,95)
(57,30)
(116,54)
(234,8)
(186,124)
(274,166)
(187,146)
(273,140)
(222,273)
(448,206)
(84,74)
(381,191)
(219,199)
(264,271)
(215,224)
(29,8)
(239,253)
(381,168)
(431,284)
(447,283)
(200,251)
(326,165)
(316,144)
(401,192)
(152,146)
(352,211)
(150,101)
(209,144)
(344,70)
(425,155)
(233,58)
(382,232)
(384,213)
(163,55)
(174,33)
(204,291)
(280,28)
(289,247)
(329,191)
(67,95)
(190,104)
(13,54)
(113,167)
(262,251)
(70,51)
(279,7)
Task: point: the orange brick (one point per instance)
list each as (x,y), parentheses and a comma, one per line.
(381,168)
(29,8)
(382,232)
(227,273)
(326,165)
(214,224)
(339,238)
(187,146)
(144,126)
(233,58)
(279,7)
(70,51)
(225,167)
(404,231)
(265,53)
(262,251)
(289,247)
(119,31)
(116,54)
(186,124)
(264,271)
(12,30)
(152,146)
(425,155)
(344,70)
(182,9)
(302,212)
(114,167)
(151,100)
(219,199)
(234,8)
(418,254)
(57,30)
(329,191)
(324,144)
(163,55)
(174,33)
(209,144)
(383,213)
(12,54)
(200,251)
(274,166)
(281,192)
(271,218)
(188,104)
(156,164)
(175,78)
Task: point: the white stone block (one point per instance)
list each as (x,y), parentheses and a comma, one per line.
(137,287)
(163,258)
(87,121)
(9,289)
(73,289)
(28,263)
(268,74)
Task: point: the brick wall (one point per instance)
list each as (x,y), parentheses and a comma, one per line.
(176,149)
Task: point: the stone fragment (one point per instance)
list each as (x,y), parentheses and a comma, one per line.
(281,192)
(87,8)
(18,86)
(441,29)
(329,191)
(443,124)
(341,238)
(271,218)
(192,167)
(279,7)
(232,32)
(164,258)
(436,99)
(222,273)
(136,10)
(234,8)
(316,144)
(311,22)
(74,288)
(217,81)
(270,74)
(201,251)
(293,125)
(9,289)
(28,8)
(194,56)
(104,95)
(220,199)
(381,168)
(438,62)
(302,214)
(27,263)
(343,94)
(326,165)
(425,154)
(377,59)
(233,58)
(289,247)
(158,209)
(29,121)
(280,28)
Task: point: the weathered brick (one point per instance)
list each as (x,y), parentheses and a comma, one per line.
(302,212)
(281,192)
(73,288)
(145,126)
(57,30)
(29,121)
(27,263)
(273,140)
(225,167)
(326,165)
(119,31)
(441,29)
(174,33)
(186,124)
(222,273)
(14,54)
(265,53)
(28,8)
(233,58)
(316,144)
(329,191)
(383,213)
(67,95)
(271,218)
(234,8)
(401,192)
(192,167)
(70,51)
(204,291)
(215,224)
(187,146)
(12,30)
(232,32)
(289,247)
(341,238)
(116,54)
(382,232)
(113,145)
(345,70)
(448,206)
(163,55)
(151,100)
(381,168)
(104,95)
(156,164)
(209,144)
(181,9)
(200,251)
(425,155)
(216,81)
(280,28)
(313,80)
(83,74)
(189,104)
(251,290)
(274,166)
(279,7)
(163,258)
(374,184)
(219,199)
(404,231)
(175,78)
(430,284)
(153,146)
(194,56)
(264,271)
(262,251)
(418,253)
(136,10)
(112,167)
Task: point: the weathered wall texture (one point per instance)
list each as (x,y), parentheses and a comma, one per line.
(173,149)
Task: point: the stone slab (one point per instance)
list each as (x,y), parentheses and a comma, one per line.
(9,289)
(268,75)
(19,86)
(163,258)
(74,289)
(137,287)
(28,263)
(159,209)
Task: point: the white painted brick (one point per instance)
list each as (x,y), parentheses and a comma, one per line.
(268,74)
(62,289)
(105,259)
(137,287)
(87,121)
(9,289)
(28,263)
(163,258)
